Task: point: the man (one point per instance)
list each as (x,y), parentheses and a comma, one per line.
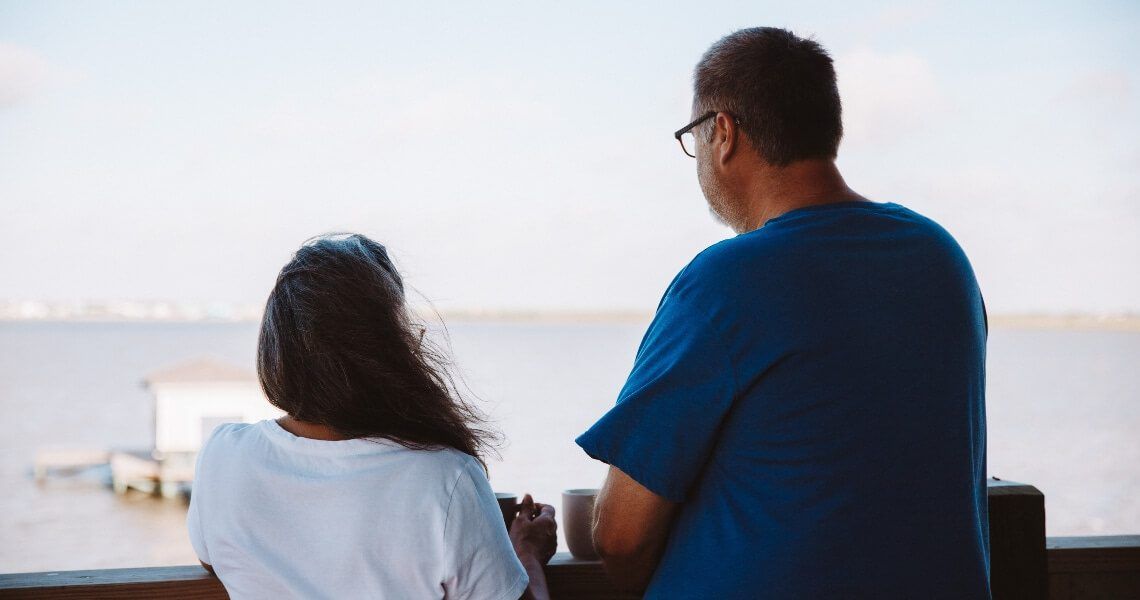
(805,417)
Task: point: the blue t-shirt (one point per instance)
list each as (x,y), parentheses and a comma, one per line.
(813,393)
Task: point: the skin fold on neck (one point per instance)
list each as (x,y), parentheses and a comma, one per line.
(771,191)
(311,431)
(745,191)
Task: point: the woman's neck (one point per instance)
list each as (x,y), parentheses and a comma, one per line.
(312,431)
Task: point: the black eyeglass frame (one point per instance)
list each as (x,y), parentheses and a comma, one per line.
(701,119)
(687,128)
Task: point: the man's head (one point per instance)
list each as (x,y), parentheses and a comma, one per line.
(777,104)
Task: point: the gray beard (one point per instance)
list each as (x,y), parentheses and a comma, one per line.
(718,207)
(718,218)
(722,210)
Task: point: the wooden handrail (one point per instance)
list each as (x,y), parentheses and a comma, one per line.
(1017,559)
(1079,567)
(192,582)
(1105,566)
(567,576)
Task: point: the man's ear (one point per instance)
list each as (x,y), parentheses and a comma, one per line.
(725,137)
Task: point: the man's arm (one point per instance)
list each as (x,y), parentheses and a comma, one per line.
(631,526)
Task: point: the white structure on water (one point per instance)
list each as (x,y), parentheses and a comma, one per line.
(192,398)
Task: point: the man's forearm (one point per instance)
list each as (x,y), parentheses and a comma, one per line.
(630,530)
(630,573)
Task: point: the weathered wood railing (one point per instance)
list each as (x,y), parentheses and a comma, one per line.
(1022,566)
(1094,567)
(1017,540)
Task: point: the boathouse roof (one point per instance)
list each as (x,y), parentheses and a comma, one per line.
(201,370)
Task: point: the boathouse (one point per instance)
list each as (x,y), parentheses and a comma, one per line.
(194,397)
(190,400)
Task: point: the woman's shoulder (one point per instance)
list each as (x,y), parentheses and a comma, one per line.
(446,462)
(231,429)
(449,472)
(228,433)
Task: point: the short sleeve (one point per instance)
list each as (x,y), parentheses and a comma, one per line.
(194,514)
(194,526)
(481,562)
(662,430)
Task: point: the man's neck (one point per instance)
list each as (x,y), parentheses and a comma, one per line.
(774,191)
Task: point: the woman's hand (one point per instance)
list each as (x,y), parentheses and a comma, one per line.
(534,532)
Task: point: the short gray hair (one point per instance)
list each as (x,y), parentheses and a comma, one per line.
(780,87)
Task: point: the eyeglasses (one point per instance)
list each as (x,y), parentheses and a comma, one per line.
(688,139)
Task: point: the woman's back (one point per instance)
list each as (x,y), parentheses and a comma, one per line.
(371,486)
(286,516)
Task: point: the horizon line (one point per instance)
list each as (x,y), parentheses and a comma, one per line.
(1122,321)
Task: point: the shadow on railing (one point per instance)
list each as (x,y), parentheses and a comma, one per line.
(1097,567)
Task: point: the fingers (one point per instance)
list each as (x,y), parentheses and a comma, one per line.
(545,516)
(526,508)
(545,511)
(535,510)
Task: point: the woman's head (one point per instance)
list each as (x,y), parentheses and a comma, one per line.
(338,347)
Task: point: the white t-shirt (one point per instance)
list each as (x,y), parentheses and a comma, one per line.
(283,516)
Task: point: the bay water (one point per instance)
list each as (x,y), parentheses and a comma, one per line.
(1063,415)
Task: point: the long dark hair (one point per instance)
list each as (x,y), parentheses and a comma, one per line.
(339,347)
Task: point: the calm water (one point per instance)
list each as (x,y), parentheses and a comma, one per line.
(1064,415)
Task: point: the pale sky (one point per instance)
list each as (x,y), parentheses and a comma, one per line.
(520,156)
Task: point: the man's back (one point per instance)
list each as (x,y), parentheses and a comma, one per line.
(813,392)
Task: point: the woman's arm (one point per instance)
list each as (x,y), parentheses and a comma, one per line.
(535,537)
(536,589)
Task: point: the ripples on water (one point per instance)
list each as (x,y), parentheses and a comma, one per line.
(1064,409)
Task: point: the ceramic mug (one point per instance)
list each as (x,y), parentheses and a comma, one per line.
(577,522)
(509,505)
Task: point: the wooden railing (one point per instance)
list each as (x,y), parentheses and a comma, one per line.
(1021,566)
(568,578)
(1094,567)
(1017,540)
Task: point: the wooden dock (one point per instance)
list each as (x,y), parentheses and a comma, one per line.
(67,461)
(135,470)
(141,471)
(138,470)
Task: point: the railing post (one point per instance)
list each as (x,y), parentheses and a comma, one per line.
(1017,541)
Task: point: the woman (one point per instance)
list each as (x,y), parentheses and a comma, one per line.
(372,485)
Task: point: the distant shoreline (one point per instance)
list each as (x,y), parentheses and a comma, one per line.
(1087,322)
(1129,323)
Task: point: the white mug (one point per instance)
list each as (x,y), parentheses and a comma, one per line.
(577,521)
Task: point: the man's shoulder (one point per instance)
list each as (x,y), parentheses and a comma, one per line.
(729,258)
(729,252)
(799,233)
(937,244)
(777,254)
